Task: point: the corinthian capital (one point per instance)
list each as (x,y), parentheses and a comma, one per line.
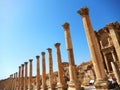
(66,25)
(83,11)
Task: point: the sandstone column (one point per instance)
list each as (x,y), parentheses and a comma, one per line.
(116,71)
(51,87)
(22,78)
(73,84)
(61,81)
(113,29)
(26,77)
(101,82)
(38,73)
(16,81)
(30,75)
(19,78)
(43,71)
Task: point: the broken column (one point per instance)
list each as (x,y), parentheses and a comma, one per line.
(61,80)
(30,75)
(26,77)
(43,71)
(38,73)
(51,87)
(97,60)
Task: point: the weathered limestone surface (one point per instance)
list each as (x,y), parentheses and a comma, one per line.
(26,76)
(51,81)
(61,82)
(43,71)
(30,74)
(38,73)
(73,83)
(101,82)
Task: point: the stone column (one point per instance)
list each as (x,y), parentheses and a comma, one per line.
(22,78)
(43,71)
(16,81)
(97,60)
(61,81)
(73,84)
(38,73)
(19,78)
(51,87)
(106,62)
(30,75)
(115,40)
(116,71)
(26,76)
(113,55)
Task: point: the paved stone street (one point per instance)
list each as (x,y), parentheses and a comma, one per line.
(89,88)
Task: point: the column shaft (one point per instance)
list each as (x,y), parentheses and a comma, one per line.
(22,81)
(38,73)
(43,71)
(26,77)
(51,87)
(30,75)
(73,84)
(94,50)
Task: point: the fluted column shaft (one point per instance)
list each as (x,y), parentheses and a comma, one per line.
(50,69)
(30,75)
(26,76)
(38,73)
(94,47)
(43,71)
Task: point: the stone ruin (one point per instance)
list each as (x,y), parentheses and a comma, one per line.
(104,46)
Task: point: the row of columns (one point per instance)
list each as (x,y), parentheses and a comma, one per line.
(73,84)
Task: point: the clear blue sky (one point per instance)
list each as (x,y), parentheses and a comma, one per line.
(28,27)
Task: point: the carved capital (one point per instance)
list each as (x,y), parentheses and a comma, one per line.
(66,26)
(83,11)
(57,45)
(37,57)
(22,65)
(30,60)
(49,50)
(25,63)
(43,53)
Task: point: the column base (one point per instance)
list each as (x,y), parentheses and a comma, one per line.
(101,85)
(74,85)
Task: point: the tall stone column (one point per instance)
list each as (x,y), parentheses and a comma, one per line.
(16,81)
(26,76)
(43,71)
(38,73)
(73,84)
(113,55)
(30,75)
(116,71)
(97,60)
(19,78)
(51,87)
(61,81)
(115,40)
(22,78)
